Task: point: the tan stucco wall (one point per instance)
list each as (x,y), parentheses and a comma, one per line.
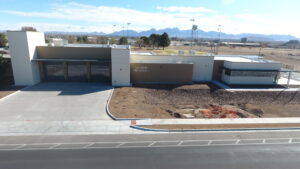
(161,73)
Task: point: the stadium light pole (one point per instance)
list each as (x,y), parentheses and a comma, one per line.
(193,22)
(128,29)
(219,42)
(128,32)
(123,28)
(114,28)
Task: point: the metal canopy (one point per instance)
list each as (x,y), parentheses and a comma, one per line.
(71,60)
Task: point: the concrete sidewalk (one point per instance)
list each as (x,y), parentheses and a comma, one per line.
(219,121)
(66,128)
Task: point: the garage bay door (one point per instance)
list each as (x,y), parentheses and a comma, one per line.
(76,71)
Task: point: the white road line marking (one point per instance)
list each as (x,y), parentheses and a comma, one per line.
(52,147)
(20,146)
(117,146)
(87,145)
(151,144)
(179,144)
(159,146)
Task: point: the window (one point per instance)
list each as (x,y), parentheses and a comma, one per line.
(253,73)
(227,72)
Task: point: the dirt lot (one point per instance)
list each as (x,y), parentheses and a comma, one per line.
(221,126)
(7,90)
(7,87)
(289,57)
(201,101)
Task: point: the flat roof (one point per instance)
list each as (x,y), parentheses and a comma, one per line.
(234,59)
(242,58)
(97,46)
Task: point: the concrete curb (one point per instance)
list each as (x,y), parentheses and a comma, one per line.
(112,116)
(207,130)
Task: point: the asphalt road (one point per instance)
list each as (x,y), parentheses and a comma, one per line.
(277,156)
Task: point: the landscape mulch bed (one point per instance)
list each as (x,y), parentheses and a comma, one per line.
(6,90)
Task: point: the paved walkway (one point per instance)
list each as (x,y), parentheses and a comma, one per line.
(221,121)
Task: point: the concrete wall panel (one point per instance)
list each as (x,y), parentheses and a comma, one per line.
(120,67)
(23,50)
(202,69)
(60,52)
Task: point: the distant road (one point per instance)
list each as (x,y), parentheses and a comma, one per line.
(278,156)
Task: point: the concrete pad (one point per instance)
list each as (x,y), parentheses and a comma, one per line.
(57,102)
(58,108)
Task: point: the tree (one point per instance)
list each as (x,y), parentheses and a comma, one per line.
(101,40)
(154,40)
(3,40)
(139,43)
(164,40)
(123,41)
(244,40)
(82,39)
(28,28)
(146,40)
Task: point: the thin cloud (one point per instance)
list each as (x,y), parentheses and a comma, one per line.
(89,18)
(182,9)
(116,15)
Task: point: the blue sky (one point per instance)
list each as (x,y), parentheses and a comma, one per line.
(235,16)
